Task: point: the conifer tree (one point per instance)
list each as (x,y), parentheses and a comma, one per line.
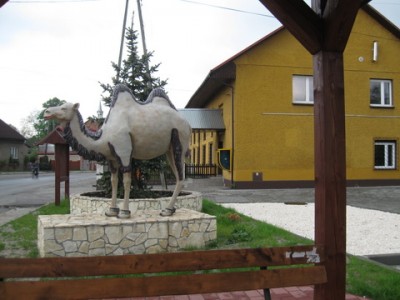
(136,73)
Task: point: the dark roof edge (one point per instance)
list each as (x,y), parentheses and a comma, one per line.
(7,132)
(225,71)
(231,59)
(391,27)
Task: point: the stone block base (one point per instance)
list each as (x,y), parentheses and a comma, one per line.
(81,204)
(145,232)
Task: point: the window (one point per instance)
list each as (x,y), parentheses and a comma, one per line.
(210,154)
(13,153)
(385,154)
(381,92)
(303,89)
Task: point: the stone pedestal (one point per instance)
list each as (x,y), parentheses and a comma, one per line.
(81,204)
(145,232)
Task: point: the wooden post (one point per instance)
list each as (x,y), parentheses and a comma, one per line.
(57,177)
(61,152)
(66,174)
(330,171)
(62,171)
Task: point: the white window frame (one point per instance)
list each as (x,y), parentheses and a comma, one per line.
(390,149)
(382,86)
(308,90)
(14,152)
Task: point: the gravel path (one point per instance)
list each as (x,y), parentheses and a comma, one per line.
(368,231)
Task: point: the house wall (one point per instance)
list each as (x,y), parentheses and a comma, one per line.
(75,161)
(364,123)
(223,100)
(269,141)
(274,138)
(5,155)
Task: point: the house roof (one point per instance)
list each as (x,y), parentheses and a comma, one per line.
(54,137)
(225,73)
(9,133)
(206,119)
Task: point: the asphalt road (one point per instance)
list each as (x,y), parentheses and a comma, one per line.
(21,190)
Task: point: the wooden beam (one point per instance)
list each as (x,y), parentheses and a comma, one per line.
(330,171)
(339,17)
(161,262)
(300,20)
(149,286)
(2,2)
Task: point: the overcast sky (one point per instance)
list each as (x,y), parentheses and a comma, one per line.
(64,48)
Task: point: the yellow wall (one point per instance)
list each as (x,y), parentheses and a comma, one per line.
(223,100)
(201,139)
(274,136)
(364,124)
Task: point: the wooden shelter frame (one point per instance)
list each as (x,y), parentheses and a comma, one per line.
(61,157)
(323,30)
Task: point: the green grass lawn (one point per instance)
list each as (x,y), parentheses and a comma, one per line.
(234,230)
(18,238)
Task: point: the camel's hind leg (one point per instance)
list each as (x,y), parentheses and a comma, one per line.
(175,158)
(125,213)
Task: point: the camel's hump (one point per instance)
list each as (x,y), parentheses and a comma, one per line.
(155,93)
(159,92)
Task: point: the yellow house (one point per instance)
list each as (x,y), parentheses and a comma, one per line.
(207,135)
(265,95)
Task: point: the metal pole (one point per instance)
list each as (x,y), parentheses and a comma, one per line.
(142,28)
(122,39)
(143,41)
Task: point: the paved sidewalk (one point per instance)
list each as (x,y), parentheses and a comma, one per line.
(386,198)
(289,293)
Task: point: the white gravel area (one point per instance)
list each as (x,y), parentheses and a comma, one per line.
(368,231)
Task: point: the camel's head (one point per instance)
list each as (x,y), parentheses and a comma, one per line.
(63,113)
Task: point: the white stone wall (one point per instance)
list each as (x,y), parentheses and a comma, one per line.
(83,204)
(145,232)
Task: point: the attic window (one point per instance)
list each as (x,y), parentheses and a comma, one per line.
(381,93)
(303,89)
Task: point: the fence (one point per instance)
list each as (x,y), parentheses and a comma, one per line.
(191,171)
(196,171)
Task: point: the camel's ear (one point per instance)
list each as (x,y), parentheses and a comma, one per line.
(76,106)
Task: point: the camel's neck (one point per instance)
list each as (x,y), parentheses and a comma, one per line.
(82,140)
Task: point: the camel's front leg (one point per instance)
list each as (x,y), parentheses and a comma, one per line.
(125,213)
(123,155)
(113,209)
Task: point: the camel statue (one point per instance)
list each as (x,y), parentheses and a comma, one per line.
(132,129)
